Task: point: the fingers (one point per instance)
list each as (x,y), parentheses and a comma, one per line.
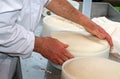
(65,56)
(109,39)
(62,44)
(55,51)
(62,54)
(100,33)
(61,57)
(57,61)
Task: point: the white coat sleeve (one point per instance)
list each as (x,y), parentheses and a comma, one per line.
(14,39)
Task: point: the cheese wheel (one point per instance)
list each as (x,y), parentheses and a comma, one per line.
(60,22)
(91,68)
(80,44)
(57,23)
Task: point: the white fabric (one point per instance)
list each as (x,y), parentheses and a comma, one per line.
(18,21)
(113,28)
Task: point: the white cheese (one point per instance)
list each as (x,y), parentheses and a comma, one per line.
(57,23)
(92,68)
(80,44)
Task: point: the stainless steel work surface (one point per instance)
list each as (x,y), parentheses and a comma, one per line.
(55,73)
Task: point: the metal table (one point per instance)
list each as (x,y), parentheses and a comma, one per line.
(55,73)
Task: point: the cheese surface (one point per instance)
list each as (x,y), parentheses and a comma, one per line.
(60,22)
(57,23)
(81,44)
(93,68)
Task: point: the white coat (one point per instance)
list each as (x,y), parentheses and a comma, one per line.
(18,21)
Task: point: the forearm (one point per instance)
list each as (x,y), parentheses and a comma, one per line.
(64,9)
(37,43)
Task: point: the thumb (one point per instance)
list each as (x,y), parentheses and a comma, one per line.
(63,44)
(66,45)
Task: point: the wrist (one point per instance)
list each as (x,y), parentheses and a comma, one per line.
(38,41)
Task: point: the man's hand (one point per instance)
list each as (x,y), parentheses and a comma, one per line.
(52,49)
(99,32)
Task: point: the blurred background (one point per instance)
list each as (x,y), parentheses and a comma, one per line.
(115,3)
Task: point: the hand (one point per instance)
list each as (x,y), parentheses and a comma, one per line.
(100,33)
(53,50)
